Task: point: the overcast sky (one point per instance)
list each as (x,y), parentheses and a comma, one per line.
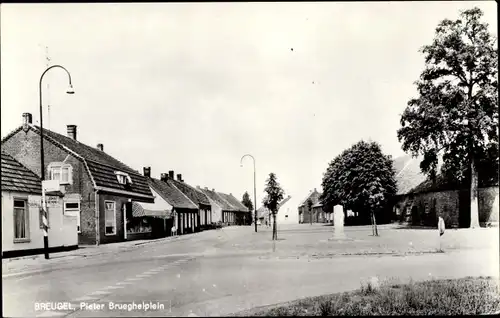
(191,87)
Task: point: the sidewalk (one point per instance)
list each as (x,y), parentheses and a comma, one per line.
(38,264)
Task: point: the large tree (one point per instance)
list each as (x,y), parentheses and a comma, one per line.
(274,195)
(456,112)
(361,179)
(246,201)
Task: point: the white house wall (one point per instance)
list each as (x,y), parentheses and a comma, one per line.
(290,209)
(62,231)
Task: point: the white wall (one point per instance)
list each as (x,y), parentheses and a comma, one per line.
(290,209)
(216,211)
(62,231)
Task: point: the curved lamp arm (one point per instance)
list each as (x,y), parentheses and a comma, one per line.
(70,90)
(247,155)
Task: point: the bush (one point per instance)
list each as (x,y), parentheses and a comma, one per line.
(468,296)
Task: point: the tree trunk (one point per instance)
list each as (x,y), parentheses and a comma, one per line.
(275,230)
(474,204)
(374,224)
(311,217)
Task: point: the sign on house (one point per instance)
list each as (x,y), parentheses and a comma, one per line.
(36,202)
(50,185)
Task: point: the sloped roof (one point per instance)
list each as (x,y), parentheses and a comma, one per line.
(219,200)
(314,195)
(171,194)
(101,166)
(16,177)
(284,201)
(197,197)
(237,205)
(409,177)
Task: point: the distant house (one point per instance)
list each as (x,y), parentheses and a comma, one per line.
(22,231)
(100,186)
(238,214)
(185,212)
(317,214)
(284,215)
(219,206)
(286,212)
(197,197)
(419,201)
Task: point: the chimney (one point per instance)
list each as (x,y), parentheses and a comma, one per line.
(213,190)
(164,177)
(206,188)
(179,177)
(71,131)
(171,174)
(147,172)
(198,187)
(27,118)
(100,147)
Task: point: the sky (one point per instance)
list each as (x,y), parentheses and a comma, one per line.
(192,87)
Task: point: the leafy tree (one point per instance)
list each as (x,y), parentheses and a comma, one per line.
(309,207)
(360,179)
(246,201)
(274,195)
(456,112)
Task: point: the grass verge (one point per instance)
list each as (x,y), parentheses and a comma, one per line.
(467,296)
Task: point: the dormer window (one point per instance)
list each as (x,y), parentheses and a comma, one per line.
(123,178)
(61,171)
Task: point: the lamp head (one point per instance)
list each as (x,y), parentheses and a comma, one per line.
(70,90)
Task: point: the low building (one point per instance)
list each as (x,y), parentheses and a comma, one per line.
(184,211)
(149,220)
(420,201)
(197,197)
(218,205)
(239,213)
(99,185)
(286,212)
(317,214)
(22,225)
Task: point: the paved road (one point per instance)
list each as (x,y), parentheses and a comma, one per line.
(217,273)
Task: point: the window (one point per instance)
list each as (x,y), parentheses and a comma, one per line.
(73,209)
(21,221)
(123,178)
(110,217)
(61,172)
(398,211)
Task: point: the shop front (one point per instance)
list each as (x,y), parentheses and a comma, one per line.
(148,220)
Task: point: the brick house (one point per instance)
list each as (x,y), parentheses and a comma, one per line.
(420,201)
(317,213)
(239,213)
(100,184)
(22,225)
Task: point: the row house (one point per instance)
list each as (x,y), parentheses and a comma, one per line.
(216,203)
(203,218)
(237,214)
(185,212)
(22,224)
(98,186)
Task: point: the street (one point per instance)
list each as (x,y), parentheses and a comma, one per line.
(226,271)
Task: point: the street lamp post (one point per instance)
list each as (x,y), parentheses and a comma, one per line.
(254,191)
(42,164)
